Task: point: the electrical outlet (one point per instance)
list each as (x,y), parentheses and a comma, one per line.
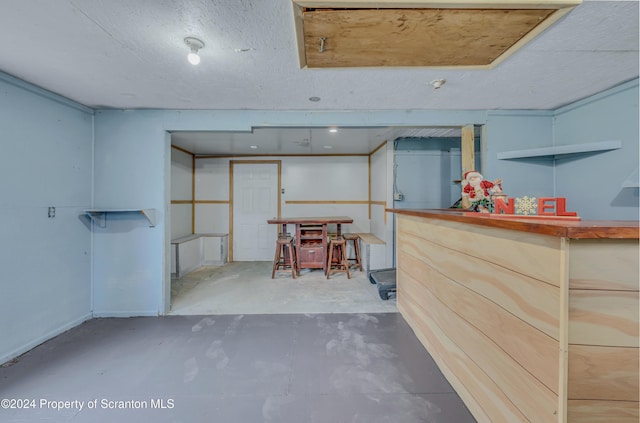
(51,213)
(397,196)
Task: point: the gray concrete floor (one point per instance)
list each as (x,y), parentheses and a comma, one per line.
(247,288)
(364,367)
(239,347)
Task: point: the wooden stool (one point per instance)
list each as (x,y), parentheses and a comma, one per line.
(285,256)
(356,248)
(342,264)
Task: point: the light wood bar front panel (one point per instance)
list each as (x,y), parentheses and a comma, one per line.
(535,254)
(462,278)
(526,324)
(604,373)
(482,395)
(590,269)
(523,296)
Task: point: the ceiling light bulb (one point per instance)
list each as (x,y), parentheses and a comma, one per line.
(194,45)
(193,58)
(333,129)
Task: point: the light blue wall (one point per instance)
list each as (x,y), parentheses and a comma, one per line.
(592,182)
(426,169)
(45,160)
(507,131)
(132,158)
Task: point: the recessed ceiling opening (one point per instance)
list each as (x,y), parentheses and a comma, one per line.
(472,34)
(283,141)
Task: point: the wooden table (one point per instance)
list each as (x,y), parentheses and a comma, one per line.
(311,238)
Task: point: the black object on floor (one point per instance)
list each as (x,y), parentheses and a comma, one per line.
(386,281)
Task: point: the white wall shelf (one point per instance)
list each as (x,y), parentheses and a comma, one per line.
(633,181)
(99,216)
(554,152)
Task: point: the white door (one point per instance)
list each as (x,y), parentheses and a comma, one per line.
(255,200)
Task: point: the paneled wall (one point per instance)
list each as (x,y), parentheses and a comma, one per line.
(327,186)
(46,261)
(313,186)
(132,167)
(379,175)
(212,196)
(181,193)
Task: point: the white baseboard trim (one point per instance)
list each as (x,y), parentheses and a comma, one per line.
(132,313)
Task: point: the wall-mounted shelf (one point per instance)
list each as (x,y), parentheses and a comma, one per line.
(560,150)
(99,216)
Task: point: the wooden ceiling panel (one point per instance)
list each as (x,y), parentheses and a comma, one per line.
(472,34)
(427,37)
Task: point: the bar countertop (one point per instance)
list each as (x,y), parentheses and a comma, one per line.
(582,229)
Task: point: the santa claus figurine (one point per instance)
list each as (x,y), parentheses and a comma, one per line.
(478,192)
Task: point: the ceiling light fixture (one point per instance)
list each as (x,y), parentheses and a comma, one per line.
(194,45)
(437,83)
(333,129)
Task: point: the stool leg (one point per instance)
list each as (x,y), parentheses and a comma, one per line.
(356,249)
(295,258)
(329,260)
(275,261)
(285,256)
(345,261)
(291,262)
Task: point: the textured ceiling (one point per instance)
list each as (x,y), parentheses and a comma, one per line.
(131,54)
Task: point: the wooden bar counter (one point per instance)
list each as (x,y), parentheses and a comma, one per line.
(530,321)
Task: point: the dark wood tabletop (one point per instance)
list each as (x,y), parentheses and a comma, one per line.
(583,229)
(322,220)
